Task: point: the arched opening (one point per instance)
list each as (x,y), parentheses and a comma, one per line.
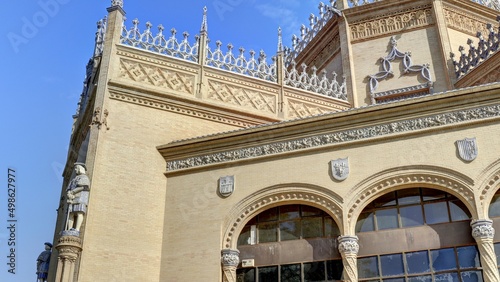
(417,234)
(494,215)
(289,243)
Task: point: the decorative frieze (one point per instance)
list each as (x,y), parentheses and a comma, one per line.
(417,18)
(362,133)
(298,109)
(463,21)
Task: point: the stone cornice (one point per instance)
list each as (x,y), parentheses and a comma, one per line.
(452,108)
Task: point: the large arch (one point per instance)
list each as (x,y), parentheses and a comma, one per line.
(293,193)
(397,178)
(489,181)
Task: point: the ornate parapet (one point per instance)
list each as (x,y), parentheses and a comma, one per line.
(348,248)
(229,260)
(69,248)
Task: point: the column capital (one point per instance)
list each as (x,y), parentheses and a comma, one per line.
(230,257)
(482,229)
(348,244)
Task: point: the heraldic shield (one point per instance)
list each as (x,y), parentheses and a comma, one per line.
(467,149)
(340,168)
(226,185)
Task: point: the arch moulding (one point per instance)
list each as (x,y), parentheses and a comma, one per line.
(490,182)
(455,183)
(266,198)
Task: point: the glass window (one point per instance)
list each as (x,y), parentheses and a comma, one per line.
(426,278)
(494,209)
(472,276)
(245,275)
(386,200)
(387,219)
(269,215)
(497,252)
(331,228)
(443,259)
(368,267)
(365,222)
(411,216)
(447,277)
(392,265)
(417,262)
(310,211)
(394,280)
(312,227)
(314,271)
(334,269)
(436,213)
(408,196)
(267,232)
(289,212)
(290,230)
(468,257)
(290,273)
(268,274)
(459,211)
(432,194)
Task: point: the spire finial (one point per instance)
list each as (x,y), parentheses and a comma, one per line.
(204,24)
(118,3)
(280,40)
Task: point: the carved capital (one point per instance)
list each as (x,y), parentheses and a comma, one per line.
(482,229)
(230,257)
(348,245)
(118,3)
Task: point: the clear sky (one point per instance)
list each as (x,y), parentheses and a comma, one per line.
(45,45)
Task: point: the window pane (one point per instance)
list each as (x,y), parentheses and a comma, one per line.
(472,276)
(384,201)
(494,209)
(290,230)
(436,213)
(443,259)
(368,267)
(312,227)
(244,238)
(334,270)
(290,273)
(458,211)
(411,216)
(447,277)
(314,271)
(468,257)
(269,215)
(365,222)
(289,212)
(309,211)
(268,274)
(392,265)
(497,252)
(427,278)
(432,194)
(387,219)
(417,262)
(331,228)
(394,280)
(408,196)
(245,275)
(267,232)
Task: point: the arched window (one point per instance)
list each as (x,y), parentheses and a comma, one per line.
(419,235)
(494,214)
(289,243)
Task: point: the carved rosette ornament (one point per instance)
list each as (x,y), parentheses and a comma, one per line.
(229,260)
(69,248)
(483,232)
(348,248)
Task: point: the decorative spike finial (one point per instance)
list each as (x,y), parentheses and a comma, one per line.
(204,23)
(280,40)
(118,3)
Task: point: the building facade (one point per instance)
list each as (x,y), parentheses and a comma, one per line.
(367,151)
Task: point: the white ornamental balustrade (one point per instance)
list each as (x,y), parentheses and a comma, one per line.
(492,4)
(355,3)
(476,55)
(255,67)
(158,42)
(312,82)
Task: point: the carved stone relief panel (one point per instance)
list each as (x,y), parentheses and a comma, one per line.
(464,22)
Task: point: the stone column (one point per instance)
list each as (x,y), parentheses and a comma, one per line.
(348,248)
(69,248)
(483,232)
(229,260)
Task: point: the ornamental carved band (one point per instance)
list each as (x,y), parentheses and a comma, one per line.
(483,229)
(230,257)
(348,245)
(117,3)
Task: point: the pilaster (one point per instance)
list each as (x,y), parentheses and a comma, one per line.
(229,259)
(348,248)
(69,248)
(483,232)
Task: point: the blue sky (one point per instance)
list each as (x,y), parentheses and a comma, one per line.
(45,46)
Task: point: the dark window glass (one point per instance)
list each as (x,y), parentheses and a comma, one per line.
(468,257)
(331,228)
(392,265)
(411,216)
(267,232)
(387,219)
(494,209)
(459,211)
(334,270)
(290,230)
(314,271)
(290,273)
(432,194)
(436,213)
(312,227)
(268,274)
(443,259)
(408,196)
(289,212)
(426,278)
(245,275)
(244,238)
(310,211)
(394,280)
(447,277)
(497,252)
(417,262)
(269,215)
(368,267)
(472,276)
(386,200)
(365,222)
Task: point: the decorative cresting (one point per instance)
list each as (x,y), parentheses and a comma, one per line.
(348,248)
(355,3)
(275,196)
(316,24)
(69,248)
(492,4)
(387,72)
(476,55)
(229,260)
(158,43)
(100,36)
(384,129)
(483,232)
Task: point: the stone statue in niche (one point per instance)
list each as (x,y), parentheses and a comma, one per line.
(77,195)
(42,263)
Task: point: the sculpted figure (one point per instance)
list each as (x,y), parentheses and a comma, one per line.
(77,197)
(42,263)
